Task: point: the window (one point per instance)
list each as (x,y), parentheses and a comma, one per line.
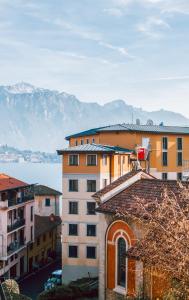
(164,176)
(179,143)
(31,213)
(179,176)
(104,160)
(121,263)
(73,251)
(76,142)
(91,186)
(91,252)
(87,141)
(91,230)
(14,213)
(91,208)
(91,160)
(93,140)
(73,185)
(165,143)
(82,142)
(105,182)
(73,208)
(73,159)
(73,229)
(38,241)
(179,158)
(47,202)
(164,159)
(31,233)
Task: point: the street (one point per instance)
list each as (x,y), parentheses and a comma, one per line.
(33,285)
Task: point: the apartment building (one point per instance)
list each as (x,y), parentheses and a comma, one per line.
(47,201)
(46,242)
(86,169)
(16,225)
(166,154)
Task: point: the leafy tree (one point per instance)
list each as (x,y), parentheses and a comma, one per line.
(165,244)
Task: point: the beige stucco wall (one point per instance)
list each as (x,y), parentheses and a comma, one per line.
(42,210)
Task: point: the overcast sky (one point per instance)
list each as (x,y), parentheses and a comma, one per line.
(100,50)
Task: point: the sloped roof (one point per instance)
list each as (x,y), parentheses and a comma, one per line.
(43,190)
(115,183)
(147,189)
(7,182)
(133,128)
(94,148)
(45,224)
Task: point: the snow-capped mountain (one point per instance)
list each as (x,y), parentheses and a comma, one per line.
(39,119)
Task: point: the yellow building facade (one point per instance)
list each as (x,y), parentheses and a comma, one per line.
(168,145)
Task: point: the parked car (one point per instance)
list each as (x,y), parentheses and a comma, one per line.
(54,280)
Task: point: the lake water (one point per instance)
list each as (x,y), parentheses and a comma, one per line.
(42,173)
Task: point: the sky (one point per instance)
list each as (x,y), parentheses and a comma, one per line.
(100,50)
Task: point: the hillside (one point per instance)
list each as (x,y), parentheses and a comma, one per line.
(39,119)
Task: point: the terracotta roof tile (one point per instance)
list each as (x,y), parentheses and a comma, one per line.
(45,224)
(147,189)
(117,182)
(7,182)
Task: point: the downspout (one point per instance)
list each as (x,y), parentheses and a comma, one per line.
(110,168)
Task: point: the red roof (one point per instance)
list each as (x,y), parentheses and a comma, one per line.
(7,182)
(148,190)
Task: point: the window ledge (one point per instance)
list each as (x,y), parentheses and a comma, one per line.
(120,290)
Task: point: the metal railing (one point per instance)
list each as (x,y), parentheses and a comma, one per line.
(16,225)
(14,246)
(16,201)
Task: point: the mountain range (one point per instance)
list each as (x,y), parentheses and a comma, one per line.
(39,119)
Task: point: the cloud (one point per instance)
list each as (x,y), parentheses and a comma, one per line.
(153,27)
(121,50)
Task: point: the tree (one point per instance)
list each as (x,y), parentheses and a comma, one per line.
(166,237)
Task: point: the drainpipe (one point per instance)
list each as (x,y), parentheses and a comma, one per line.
(110,167)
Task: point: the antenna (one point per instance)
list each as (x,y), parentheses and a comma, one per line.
(132,117)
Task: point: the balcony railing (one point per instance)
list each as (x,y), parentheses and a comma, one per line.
(16,225)
(16,201)
(14,246)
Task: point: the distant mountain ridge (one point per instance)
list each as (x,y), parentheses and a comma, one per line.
(39,119)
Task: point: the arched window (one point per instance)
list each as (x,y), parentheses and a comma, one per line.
(121,262)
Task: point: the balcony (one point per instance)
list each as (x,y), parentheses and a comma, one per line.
(17,224)
(15,246)
(20,200)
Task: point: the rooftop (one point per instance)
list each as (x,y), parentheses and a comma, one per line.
(94,148)
(133,128)
(42,190)
(45,224)
(115,183)
(7,182)
(146,189)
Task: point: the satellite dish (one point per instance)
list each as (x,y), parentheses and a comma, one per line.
(150,122)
